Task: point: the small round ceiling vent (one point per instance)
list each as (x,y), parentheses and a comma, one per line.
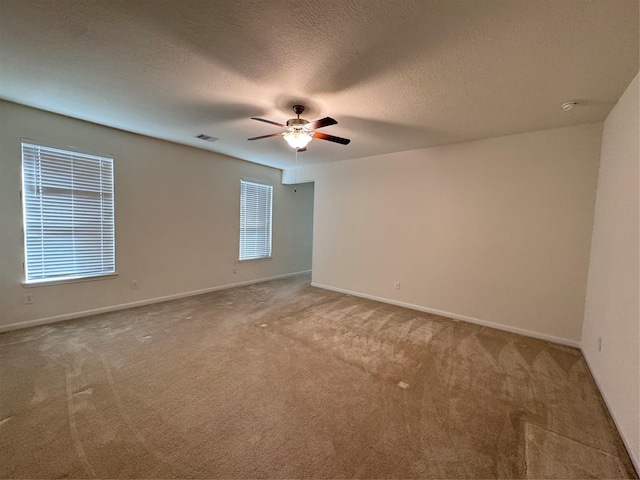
(566,106)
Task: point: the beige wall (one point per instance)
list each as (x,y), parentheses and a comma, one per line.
(496,231)
(612,309)
(177,212)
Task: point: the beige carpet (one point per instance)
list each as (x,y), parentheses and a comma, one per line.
(283,380)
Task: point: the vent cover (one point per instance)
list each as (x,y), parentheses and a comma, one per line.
(208,138)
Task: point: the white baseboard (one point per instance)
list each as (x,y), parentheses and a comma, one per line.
(464,318)
(149,301)
(633,454)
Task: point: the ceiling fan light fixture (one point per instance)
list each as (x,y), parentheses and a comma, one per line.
(297,138)
(299,131)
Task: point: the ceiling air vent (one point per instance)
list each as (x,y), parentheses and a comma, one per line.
(208,138)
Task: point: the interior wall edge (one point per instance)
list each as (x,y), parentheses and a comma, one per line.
(141,303)
(625,440)
(455,316)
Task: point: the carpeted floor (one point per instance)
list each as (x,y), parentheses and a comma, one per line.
(283,380)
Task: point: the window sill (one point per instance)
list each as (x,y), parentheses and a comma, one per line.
(46,283)
(254,259)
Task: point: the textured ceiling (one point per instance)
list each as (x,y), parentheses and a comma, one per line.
(396,74)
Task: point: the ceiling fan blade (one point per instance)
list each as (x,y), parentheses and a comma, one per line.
(323,122)
(265,136)
(331,138)
(268,121)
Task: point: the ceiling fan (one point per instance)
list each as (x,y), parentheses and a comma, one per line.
(299,132)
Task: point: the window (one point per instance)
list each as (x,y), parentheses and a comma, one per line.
(255,220)
(68,214)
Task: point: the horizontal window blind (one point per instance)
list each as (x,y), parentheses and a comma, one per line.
(68,214)
(255,220)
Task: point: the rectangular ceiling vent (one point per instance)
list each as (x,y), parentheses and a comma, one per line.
(208,138)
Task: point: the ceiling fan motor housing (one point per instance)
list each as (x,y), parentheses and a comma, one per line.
(297,122)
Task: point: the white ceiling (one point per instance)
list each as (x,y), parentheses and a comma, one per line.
(396,74)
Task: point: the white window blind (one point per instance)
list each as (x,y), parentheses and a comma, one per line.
(255,220)
(68,214)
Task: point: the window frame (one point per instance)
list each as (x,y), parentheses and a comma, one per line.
(32,153)
(242,222)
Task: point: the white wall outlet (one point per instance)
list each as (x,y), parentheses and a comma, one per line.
(27,299)
(599,344)
(134,284)
(397,285)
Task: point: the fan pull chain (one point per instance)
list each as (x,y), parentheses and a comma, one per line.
(295,174)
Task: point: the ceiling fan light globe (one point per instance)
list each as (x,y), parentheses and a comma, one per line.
(298,139)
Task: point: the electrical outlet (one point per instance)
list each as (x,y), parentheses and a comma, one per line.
(134,284)
(27,299)
(599,344)
(397,285)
